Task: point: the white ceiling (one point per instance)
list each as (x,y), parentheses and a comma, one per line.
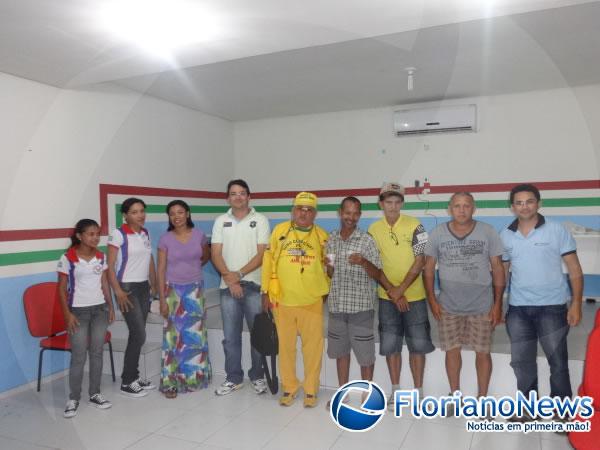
(284,57)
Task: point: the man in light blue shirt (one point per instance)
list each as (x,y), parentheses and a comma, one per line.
(534,250)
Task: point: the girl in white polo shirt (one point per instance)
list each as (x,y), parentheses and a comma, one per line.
(132,274)
(87,308)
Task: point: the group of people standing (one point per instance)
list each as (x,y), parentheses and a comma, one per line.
(393,266)
(85,281)
(298,266)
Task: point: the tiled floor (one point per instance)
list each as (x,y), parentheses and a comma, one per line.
(31,420)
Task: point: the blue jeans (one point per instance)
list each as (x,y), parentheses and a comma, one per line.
(548,324)
(395,325)
(88,339)
(233,310)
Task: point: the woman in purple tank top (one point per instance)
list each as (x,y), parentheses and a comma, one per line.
(182,251)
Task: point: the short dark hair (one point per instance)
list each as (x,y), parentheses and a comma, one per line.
(525,187)
(185,206)
(80,227)
(351,199)
(461,194)
(385,195)
(127,204)
(238,182)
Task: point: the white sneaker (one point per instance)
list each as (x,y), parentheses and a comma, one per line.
(227,387)
(451,410)
(390,403)
(99,401)
(71,409)
(260,386)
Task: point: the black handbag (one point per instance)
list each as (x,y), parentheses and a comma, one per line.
(263,338)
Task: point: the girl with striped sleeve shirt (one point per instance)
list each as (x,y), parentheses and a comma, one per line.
(132,276)
(86,303)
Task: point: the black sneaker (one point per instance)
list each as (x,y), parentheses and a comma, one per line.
(146,384)
(71,409)
(99,401)
(133,390)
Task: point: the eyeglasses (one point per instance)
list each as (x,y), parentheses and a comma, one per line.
(528,202)
(393,237)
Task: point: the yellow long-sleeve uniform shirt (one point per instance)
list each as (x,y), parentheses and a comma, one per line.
(295,258)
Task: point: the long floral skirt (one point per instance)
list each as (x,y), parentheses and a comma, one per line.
(185,363)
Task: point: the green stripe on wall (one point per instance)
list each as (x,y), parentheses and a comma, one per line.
(8,259)
(160,209)
(421,205)
(11,259)
(481,204)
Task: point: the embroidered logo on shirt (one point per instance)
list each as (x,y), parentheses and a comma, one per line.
(98,269)
(227,224)
(253,224)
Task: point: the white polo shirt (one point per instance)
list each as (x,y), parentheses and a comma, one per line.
(84,278)
(133,259)
(239,239)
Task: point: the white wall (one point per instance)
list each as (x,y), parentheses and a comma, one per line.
(534,136)
(58,145)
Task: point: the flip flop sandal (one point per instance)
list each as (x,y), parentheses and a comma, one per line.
(171,393)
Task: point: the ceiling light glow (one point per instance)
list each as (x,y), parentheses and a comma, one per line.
(160,26)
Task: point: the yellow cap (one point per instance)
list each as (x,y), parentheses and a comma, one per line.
(306,199)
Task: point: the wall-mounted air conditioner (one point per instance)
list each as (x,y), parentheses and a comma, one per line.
(435,120)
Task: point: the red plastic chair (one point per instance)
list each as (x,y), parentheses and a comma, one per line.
(45,320)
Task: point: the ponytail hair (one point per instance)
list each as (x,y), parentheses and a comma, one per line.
(80,227)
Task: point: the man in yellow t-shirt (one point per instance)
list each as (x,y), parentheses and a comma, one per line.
(294,282)
(403,312)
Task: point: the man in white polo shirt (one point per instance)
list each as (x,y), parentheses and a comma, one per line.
(239,239)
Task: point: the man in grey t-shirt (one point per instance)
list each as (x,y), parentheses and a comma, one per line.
(471,277)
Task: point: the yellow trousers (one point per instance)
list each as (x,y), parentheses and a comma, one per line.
(307,322)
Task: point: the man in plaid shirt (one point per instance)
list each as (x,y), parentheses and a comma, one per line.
(353,264)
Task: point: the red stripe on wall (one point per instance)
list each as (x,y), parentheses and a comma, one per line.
(138,191)
(27,235)
(449,189)
(117,189)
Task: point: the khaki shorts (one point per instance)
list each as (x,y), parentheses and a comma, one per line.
(473,331)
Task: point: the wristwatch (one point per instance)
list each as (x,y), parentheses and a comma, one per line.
(241,275)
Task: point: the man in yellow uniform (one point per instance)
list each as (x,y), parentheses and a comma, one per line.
(294,282)
(403,312)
